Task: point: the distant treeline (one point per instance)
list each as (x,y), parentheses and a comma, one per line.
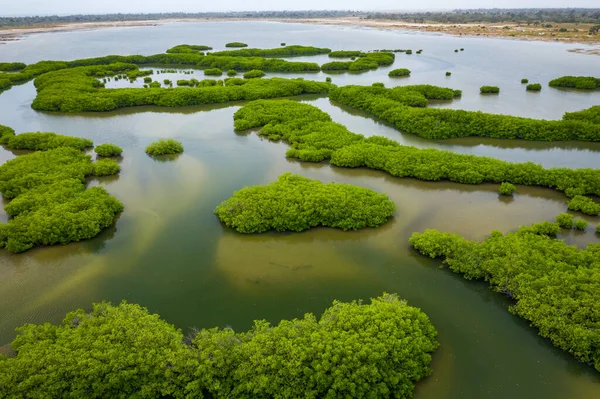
(516,15)
(521,15)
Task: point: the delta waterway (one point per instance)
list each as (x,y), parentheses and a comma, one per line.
(169,253)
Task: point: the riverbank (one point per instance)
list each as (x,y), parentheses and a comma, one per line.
(562,33)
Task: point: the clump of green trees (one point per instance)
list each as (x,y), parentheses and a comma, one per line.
(555,286)
(399,72)
(39,141)
(164,146)
(11,66)
(585,205)
(213,72)
(236,44)
(507,189)
(188,48)
(49,202)
(108,150)
(289,51)
(576,82)
(524,80)
(78,90)
(534,87)
(255,73)
(231,72)
(405,108)
(106,167)
(345,53)
(313,137)
(591,115)
(365,62)
(489,89)
(296,203)
(354,349)
(565,220)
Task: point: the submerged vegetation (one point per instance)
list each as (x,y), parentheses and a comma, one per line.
(78,90)
(296,203)
(313,137)
(405,108)
(576,82)
(354,349)
(164,146)
(50,203)
(556,287)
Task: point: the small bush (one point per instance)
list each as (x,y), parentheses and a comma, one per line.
(489,89)
(419,51)
(448,73)
(580,224)
(524,80)
(108,150)
(534,87)
(106,167)
(563,30)
(236,44)
(408,52)
(164,146)
(255,73)
(167,82)
(154,85)
(283,44)
(598,229)
(462,49)
(399,72)
(378,84)
(328,79)
(585,205)
(231,72)
(507,189)
(213,72)
(147,79)
(456,51)
(565,220)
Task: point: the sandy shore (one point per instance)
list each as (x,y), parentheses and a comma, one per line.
(576,34)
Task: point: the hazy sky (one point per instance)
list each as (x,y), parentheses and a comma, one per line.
(45,7)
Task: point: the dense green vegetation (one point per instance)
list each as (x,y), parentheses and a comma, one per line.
(313,137)
(50,204)
(79,90)
(213,72)
(580,224)
(106,167)
(555,286)
(591,115)
(354,350)
(565,220)
(164,146)
(404,108)
(576,82)
(296,203)
(365,62)
(11,66)
(108,150)
(524,80)
(585,205)
(289,51)
(489,89)
(534,87)
(231,72)
(255,73)
(188,48)
(507,189)
(399,72)
(236,44)
(345,53)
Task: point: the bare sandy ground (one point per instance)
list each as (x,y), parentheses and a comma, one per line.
(576,34)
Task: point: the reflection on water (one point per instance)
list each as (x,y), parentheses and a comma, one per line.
(169,252)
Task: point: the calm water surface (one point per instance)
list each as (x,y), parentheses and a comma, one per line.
(169,252)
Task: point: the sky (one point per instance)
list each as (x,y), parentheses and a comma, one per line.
(64,7)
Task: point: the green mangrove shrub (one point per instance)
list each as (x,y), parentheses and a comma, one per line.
(489,89)
(534,87)
(108,150)
(255,73)
(6,133)
(585,205)
(106,167)
(598,229)
(328,79)
(365,62)
(565,220)
(404,107)
(147,79)
(164,146)
(231,72)
(580,224)
(313,137)
(448,73)
(236,44)
(296,203)
(576,82)
(11,66)
(188,48)
(399,72)
(507,189)
(213,72)
(289,51)
(555,286)
(524,80)
(345,53)
(409,52)
(43,141)
(221,363)
(591,115)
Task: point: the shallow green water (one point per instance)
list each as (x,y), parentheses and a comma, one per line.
(169,252)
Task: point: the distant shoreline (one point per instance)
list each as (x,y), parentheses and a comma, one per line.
(494,30)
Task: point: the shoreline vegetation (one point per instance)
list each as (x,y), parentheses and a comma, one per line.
(353,350)
(549,31)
